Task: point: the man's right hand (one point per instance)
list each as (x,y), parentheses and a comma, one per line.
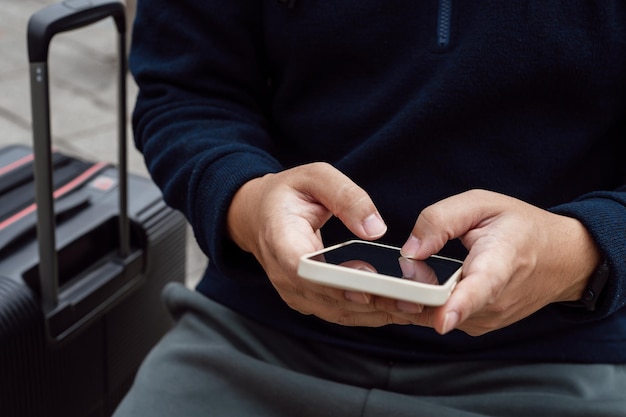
(278,218)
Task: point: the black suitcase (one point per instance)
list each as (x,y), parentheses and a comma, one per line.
(81,273)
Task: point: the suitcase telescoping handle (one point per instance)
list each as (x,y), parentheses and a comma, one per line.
(42,26)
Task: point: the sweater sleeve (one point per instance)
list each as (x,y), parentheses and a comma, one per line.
(603,213)
(200,116)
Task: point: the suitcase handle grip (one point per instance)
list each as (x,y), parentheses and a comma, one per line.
(68,15)
(17,229)
(42,26)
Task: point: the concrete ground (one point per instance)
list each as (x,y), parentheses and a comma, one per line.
(82,67)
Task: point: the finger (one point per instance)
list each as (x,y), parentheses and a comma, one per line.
(359,297)
(425,318)
(346,200)
(485,277)
(371,319)
(347,317)
(392,305)
(449,219)
(319,296)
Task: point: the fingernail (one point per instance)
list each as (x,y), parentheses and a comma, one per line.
(408,307)
(357,297)
(450,321)
(374,225)
(411,247)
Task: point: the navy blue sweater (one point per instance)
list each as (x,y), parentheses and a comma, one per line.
(413,100)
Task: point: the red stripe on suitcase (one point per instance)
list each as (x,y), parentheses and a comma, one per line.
(72,185)
(16,164)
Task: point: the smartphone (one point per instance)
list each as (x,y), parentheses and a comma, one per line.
(380,269)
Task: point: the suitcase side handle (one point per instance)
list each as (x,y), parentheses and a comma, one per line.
(42,26)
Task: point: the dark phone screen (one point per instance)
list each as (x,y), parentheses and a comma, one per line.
(388,261)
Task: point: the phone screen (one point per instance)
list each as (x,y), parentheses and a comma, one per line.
(388,261)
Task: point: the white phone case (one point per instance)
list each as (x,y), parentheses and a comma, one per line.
(374,283)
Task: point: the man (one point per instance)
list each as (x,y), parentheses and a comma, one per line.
(491,132)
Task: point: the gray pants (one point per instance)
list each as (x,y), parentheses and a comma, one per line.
(218,363)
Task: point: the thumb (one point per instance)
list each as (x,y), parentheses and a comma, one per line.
(345,200)
(448,219)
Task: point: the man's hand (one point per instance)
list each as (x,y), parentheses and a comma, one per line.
(521,258)
(278,217)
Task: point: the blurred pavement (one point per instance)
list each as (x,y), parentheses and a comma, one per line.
(82,67)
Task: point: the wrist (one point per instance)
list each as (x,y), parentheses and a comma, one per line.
(589,264)
(593,290)
(239,217)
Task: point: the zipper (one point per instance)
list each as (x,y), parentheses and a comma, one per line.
(444,17)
